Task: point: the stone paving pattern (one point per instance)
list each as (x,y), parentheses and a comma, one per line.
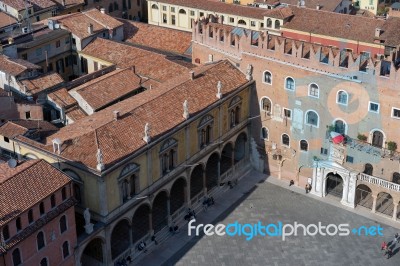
(270,203)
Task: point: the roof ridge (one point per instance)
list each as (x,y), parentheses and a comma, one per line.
(98,79)
(35,161)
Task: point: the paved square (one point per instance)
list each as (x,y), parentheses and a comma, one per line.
(270,203)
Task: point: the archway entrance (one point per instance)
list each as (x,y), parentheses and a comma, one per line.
(226,158)
(340,127)
(177,198)
(120,238)
(140,223)
(334,185)
(384,204)
(377,139)
(212,171)
(368,169)
(364,196)
(93,253)
(240,147)
(196,181)
(160,211)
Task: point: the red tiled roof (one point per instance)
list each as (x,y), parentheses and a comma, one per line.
(78,23)
(6,20)
(17,4)
(42,83)
(149,64)
(245,11)
(75,113)
(69,3)
(161,108)
(334,24)
(157,37)
(15,128)
(26,185)
(41,4)
(15,67)
(327,5)
(62,98)
(108,88)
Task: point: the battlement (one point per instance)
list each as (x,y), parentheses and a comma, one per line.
(363,66)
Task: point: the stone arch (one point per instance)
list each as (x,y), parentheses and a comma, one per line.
(30,156)
(154,6)
(119,240)
(269,23)
(93,253)
(377,138)
(196,181)
(212,171)
(364,196)
(178,194)
(242,22)
(368,169)
(141,222)
(340,126)
(226,162)
(384,203)
(160,211)
(334,185)
(266,104)
(240,147)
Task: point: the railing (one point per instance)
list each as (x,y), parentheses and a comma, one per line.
(379,182)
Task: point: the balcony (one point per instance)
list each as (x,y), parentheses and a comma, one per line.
(379,182)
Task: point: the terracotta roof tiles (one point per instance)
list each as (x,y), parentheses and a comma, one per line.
(35,180)
(62,98)
(42,83)
(6,20)
(15,128)
(15,67)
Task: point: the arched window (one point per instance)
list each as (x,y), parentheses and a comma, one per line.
(264,133)
(312,118)
(16,255)
(313,90)
(267,78)
(64,193)
(368,169)
(285,140)
(396,178)
(41,208)
(63,224)
(44,262)
(65,249)
(340,126)
(182,11)
(6,232)
(40,241)
(277,24)
(269,23)
(242,22)
(110,8)
(303,145)
(30,216)
(342,97)
(18,224)
(289,84)
(53,200)
(154,6)
(205,130)
(168,154)
(266,104)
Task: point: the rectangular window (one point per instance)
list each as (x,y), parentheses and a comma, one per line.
(262,25)
(395,113)
(58,43)
(6,139)
(253,23)
(231,20)
(324,151)
(173,19)
(27,115)
(191,12)
(164,18)
(201,14)
(373,107)
(287,113)
(164,8)
(172,9)
(73,41)
(349,159)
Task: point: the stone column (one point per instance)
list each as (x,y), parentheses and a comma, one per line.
(345,190)
(322,183)
(374,203)
(169,211)
(395,211)
(102,196)
(314,179)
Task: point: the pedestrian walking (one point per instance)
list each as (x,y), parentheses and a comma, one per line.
(307,188)
(291,183)
(396,238)
(383,245)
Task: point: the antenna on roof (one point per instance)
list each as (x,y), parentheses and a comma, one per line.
(12,163)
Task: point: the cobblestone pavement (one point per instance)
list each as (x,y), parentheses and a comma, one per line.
(270,203)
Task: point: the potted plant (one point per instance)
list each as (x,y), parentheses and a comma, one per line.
(392,146)
(361,137)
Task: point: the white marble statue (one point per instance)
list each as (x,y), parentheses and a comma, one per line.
(249,72)
(185,109)
(86,215)
(219,89)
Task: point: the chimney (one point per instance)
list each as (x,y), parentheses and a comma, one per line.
(90,28)
(191,75)
(318,7)
(377,32)
(103,10)
(57,145)
(116,115)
